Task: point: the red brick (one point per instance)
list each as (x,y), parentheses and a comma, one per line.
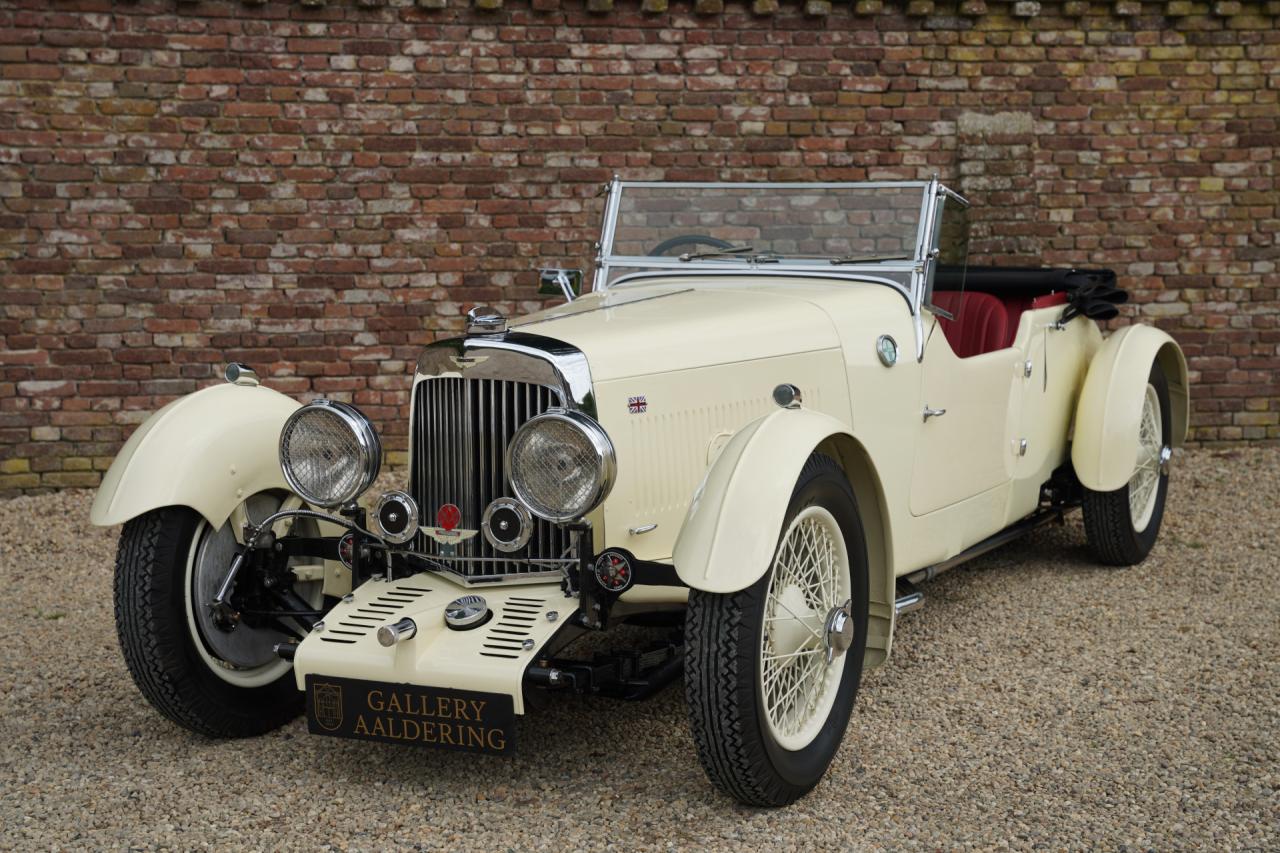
(322,205)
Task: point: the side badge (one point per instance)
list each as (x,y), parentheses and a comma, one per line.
(637,405)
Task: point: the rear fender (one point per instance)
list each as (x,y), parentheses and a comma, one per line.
(1104,447)
(732,527)
(207,451)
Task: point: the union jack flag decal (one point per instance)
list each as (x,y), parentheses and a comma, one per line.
(637,405)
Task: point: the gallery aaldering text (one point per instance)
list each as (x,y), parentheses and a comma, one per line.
(442,720)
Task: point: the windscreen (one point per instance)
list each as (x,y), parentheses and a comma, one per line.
(849,223)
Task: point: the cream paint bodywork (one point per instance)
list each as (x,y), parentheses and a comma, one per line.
(664,452)
(752,479)
(979,396)
(1105,449)
(208,451)
(489,658)
(946,484)
(678,324)
(713,460)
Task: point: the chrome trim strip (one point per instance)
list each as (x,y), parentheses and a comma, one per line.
(515,357)
(850,276)
(440,565)
(782,185)
(751,264)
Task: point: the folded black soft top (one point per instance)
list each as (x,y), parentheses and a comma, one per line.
(1020,281)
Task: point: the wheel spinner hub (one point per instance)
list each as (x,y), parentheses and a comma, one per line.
(838,635)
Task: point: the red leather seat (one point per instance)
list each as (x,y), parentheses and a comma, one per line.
(981,322)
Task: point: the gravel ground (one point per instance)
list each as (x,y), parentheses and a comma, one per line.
(1037,701)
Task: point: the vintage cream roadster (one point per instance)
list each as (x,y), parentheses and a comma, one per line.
(779,409)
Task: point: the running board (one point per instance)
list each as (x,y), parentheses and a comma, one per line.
(1004,537)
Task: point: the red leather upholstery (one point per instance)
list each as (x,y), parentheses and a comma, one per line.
(1059,298)
(981,322)
(985,323)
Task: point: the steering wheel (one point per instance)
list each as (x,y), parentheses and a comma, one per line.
(691,240)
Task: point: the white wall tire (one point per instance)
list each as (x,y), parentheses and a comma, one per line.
(1122,525)
(171,666)
(761,746)
(207,559)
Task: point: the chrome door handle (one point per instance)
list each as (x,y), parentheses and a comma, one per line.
(932,413)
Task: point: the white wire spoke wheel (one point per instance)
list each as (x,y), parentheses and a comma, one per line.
(1145,481)
(809,579)
(772,670)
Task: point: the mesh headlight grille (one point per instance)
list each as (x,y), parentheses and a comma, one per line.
(329,453)
(561,465)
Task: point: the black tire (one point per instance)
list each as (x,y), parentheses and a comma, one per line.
(157,642)
(722,662)
(1108,521)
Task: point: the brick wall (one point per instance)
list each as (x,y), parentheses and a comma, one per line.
(318,190)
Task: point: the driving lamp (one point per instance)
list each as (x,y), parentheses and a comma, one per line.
(561,465)
(329,453)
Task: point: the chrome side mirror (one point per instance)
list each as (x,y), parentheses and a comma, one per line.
(557,282)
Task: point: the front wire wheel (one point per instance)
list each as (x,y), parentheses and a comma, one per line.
(772,671)
(1122,525)
(246,655)
(809,581)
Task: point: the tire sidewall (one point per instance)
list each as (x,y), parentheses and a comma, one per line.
(1146,537)
(160,650)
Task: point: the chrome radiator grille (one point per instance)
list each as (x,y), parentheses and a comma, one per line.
(460,431)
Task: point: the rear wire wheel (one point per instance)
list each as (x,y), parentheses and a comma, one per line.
(1122,525)
(772,671)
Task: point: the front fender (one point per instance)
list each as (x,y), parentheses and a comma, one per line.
(733,523)
(1104,448)
(208,451)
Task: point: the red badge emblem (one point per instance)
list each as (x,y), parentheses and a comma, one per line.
(448,516)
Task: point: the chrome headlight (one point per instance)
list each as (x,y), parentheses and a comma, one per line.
(329,453)
(561,465)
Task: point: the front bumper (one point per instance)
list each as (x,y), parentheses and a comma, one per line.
(490,658)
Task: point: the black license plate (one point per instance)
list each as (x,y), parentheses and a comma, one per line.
(408,714)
